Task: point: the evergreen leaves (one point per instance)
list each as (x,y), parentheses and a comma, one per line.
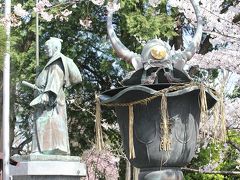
(150,26)
(146,22)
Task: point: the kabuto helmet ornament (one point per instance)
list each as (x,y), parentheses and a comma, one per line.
(157,53)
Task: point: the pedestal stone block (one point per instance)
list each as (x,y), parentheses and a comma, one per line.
(48,167)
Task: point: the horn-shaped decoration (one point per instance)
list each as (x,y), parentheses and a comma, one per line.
(120,49)
(136,59)
(194,45)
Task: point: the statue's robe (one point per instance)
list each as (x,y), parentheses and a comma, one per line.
(50,134)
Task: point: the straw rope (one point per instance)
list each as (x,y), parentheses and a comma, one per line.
(165,143)
(157,94)
(216,120)
(223,128)
(131,142)
(98,127)
(203,108)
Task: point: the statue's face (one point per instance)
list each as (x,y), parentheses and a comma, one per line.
(49,50)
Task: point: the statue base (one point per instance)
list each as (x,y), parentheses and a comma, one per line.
(47,167)
(162,174)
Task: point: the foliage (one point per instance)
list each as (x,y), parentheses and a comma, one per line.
(217,157)
(146,22)
(197,176)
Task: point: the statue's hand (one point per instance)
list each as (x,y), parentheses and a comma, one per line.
(45,99)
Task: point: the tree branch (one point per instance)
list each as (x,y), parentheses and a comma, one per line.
(220,17)
(236,37)
(233,145)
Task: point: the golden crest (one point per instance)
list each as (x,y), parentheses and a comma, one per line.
(158,52)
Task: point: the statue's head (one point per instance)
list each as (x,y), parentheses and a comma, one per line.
(52,46)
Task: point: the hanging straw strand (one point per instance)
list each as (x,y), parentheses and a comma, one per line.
(98,127)
(223,119)
(131,142)
(165,142)
(216,120)
(203,108)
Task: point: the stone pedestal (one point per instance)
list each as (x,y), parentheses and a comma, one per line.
(163,174)
(48,167)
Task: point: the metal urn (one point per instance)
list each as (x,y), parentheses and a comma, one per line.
(184,117)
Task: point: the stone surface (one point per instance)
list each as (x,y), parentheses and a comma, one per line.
(46,178)
(43,157)
(48,167)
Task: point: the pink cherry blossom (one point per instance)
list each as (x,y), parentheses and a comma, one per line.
(154,3)
(4,21)
(100,163)
(74,6)
(227,58)
(224,34)
(40,6)
(63,15)
(19,11)
(112,7)
(98,2)
(85,23)
(218,24)
(47,3)
(66,12)
(46,16)
(232,112)
(15,21)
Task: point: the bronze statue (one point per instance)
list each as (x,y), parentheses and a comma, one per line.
(50,133)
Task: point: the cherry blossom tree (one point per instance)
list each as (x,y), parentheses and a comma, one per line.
(224,32)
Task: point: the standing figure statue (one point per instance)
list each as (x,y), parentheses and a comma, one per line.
(50,132)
